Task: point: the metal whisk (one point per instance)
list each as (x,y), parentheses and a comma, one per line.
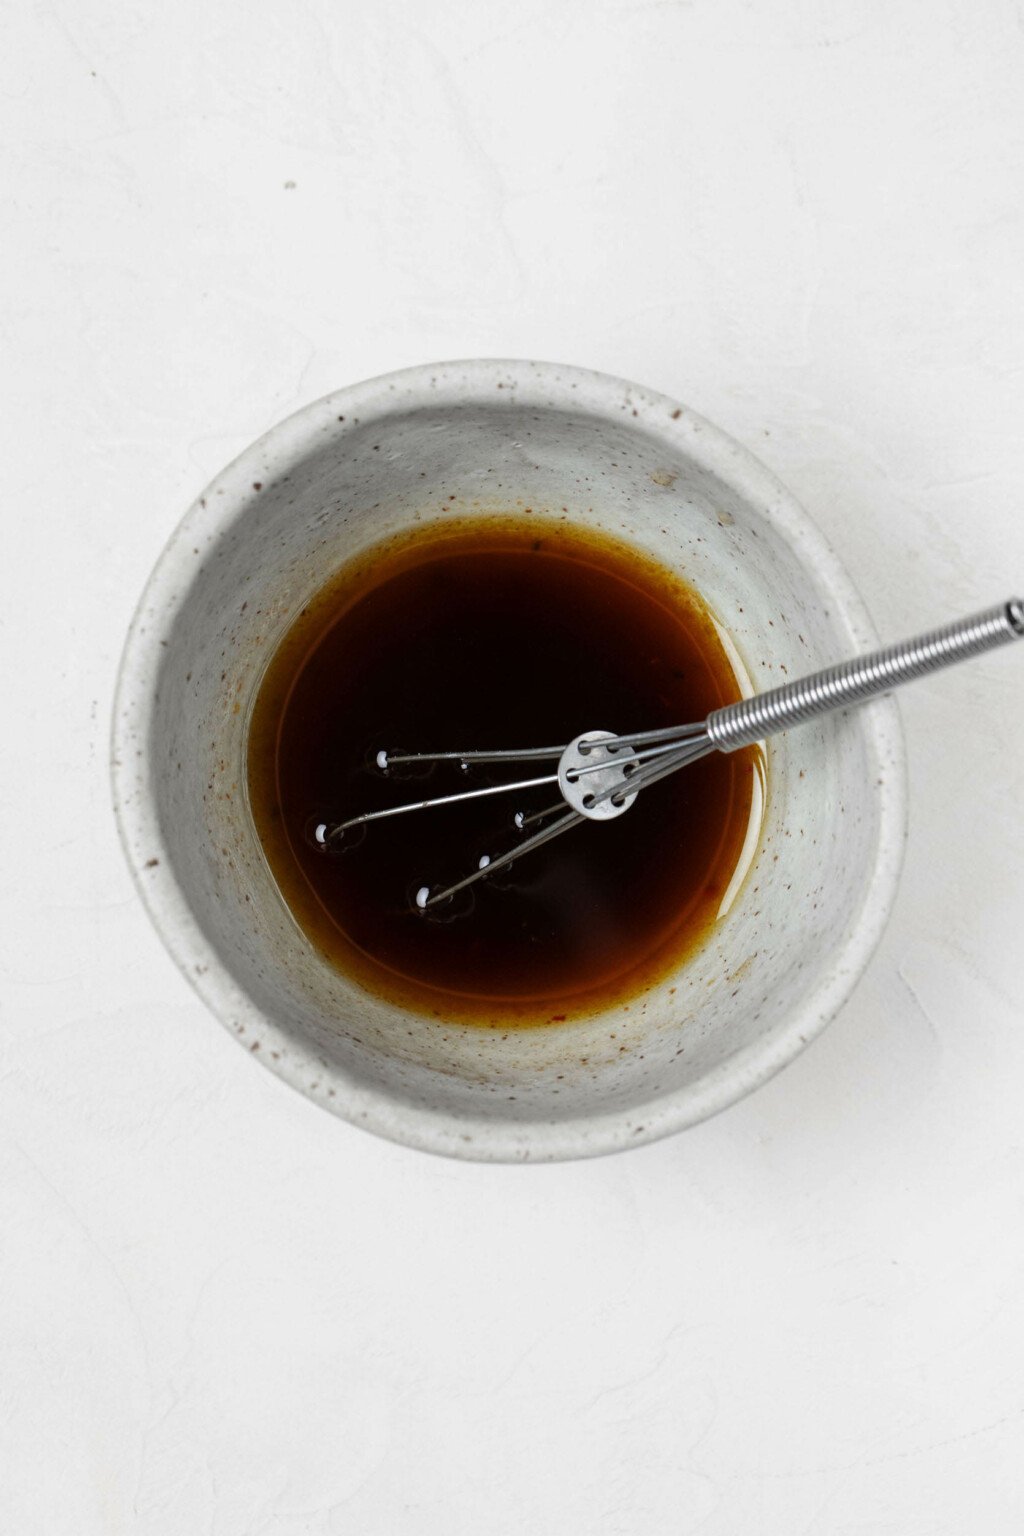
(599,774)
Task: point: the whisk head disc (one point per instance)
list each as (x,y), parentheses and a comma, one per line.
(591,765)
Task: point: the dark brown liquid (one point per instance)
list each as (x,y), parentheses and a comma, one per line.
(486,634)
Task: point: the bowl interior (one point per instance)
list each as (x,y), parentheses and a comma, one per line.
(342,477)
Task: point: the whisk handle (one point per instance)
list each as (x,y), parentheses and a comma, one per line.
(853,682)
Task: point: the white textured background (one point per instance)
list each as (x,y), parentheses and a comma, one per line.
(223,1313)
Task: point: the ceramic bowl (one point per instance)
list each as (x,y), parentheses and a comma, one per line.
(365,463)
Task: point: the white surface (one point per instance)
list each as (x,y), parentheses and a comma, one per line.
(223,1311)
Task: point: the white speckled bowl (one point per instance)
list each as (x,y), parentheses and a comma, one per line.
(344,473)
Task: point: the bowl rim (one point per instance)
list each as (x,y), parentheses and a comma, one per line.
(458,383)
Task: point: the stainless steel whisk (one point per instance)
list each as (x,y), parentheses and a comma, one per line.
(599,774)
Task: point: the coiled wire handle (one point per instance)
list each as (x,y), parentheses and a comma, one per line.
(741,724)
